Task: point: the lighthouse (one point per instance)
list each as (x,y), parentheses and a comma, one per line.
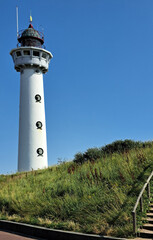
(32,61)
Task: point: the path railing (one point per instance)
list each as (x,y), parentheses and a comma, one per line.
(140,200)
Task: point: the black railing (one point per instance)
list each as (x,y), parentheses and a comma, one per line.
(21,31)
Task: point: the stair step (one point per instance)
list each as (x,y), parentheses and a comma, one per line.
(148,226)
(150,215)
(144,233)
(151,209)
(149,220)
(139,238)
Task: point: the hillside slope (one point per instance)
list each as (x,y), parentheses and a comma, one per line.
(96,196)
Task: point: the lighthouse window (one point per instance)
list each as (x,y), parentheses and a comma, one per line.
(40,151)
(44,55)
(39,125)
(26,52)
(37,71)
(18,54)
(35,53)
(38,98)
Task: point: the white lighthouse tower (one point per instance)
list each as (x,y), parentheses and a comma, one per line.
(32,61)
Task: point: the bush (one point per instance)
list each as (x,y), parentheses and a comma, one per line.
(78,158)
(92,154)
(120,146)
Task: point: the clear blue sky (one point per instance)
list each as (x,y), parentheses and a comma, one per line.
(99,87)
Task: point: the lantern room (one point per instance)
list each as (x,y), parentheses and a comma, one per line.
(31,37)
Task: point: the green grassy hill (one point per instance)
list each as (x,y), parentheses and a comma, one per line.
(94,194)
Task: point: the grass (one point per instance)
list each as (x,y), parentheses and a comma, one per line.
(93,197)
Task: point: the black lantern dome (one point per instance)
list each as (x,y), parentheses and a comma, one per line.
(31,37)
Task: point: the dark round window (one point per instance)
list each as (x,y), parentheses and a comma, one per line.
(37,71)
(38,98)
(39,125)
(40,151)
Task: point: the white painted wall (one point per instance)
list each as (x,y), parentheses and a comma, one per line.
(31,70)
(31,138)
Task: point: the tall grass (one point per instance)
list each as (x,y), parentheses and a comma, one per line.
(92,197)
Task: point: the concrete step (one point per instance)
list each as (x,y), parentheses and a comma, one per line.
(138,238)
(150,215)
(148,226)
(149,220)
(151,209)
(144,233)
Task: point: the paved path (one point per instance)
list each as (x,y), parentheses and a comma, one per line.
(13,236)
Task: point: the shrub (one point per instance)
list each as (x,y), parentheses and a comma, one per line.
(92,154)
(120,146)
(78,158)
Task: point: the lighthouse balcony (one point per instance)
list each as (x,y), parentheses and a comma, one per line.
(27,57)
